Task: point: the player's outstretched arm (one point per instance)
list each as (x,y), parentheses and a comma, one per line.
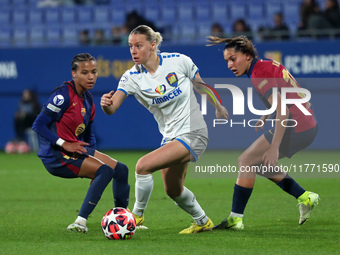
(202,88)
(110,102)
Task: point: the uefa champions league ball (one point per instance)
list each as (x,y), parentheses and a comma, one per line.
(23,148)
(118,224)
(11,147)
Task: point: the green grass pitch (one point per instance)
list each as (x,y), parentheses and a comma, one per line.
(36,208)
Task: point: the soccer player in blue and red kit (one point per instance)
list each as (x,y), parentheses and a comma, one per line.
(67,140)
(279,142)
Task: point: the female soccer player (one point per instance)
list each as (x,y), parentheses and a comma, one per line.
(163,83)
(67,140)
(280,142)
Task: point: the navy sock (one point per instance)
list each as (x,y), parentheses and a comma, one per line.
(240,198)
(120,185)
(289,185)
(103,177)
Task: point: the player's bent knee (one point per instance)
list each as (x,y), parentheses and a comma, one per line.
(142,167)
(121,172)
(247,159)
(172,193)
(242,160)
(104,170)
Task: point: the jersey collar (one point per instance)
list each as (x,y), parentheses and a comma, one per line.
(143,70)
(73,85)
(160,59)
(250,71)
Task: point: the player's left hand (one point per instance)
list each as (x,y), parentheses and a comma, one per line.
(271,156)
(222,112)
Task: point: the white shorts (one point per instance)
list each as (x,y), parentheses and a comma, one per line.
(196,142)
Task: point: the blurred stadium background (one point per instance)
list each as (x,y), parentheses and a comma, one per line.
(38,39)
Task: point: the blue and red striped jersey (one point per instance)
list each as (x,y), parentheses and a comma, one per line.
(70,118)
(266,74)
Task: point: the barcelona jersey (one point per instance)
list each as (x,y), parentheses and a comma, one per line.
(266,74)
(71,119)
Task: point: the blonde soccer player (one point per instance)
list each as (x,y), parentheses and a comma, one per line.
(163,83)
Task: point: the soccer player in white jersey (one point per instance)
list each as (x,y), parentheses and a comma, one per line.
(163,83)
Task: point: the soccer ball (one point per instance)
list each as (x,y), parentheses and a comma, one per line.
(11,147)
(118,224)
(23,147)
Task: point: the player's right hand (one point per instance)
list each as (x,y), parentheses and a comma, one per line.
(75,147)
(106,99)
(222,112)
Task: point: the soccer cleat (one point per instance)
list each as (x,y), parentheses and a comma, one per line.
(139,221)
(76,227)
(234,223)
(194,228)
(307,202)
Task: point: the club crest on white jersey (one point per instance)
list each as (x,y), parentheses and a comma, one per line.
(172,79)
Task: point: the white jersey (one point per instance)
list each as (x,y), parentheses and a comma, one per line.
(168,93)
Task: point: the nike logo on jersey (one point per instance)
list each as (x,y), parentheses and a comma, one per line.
(74,104)
(168,97)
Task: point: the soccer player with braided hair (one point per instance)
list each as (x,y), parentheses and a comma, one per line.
(279,142)
(68,144)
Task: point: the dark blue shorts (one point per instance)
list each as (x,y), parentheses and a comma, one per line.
(293,142)
(65,166)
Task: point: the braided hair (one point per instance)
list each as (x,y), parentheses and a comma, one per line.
(81,57)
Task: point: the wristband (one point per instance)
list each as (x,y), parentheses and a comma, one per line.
(60,142)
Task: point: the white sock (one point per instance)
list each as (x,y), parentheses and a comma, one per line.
(81,220)
(187,201)
(232,214)
(143,189)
